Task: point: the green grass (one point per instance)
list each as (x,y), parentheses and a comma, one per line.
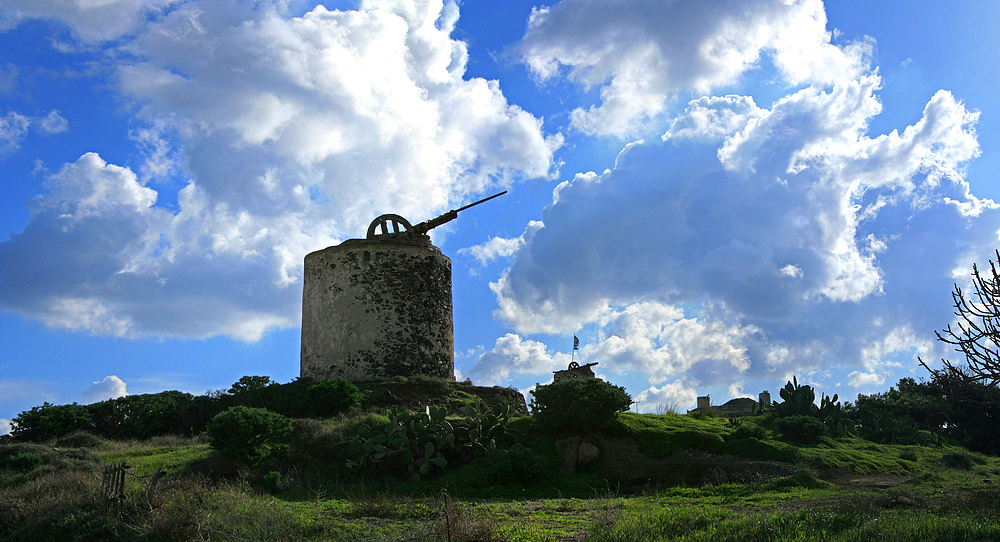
(902,492)
(663,435)
(148,457)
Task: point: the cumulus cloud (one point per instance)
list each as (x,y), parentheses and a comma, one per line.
(90,21)
(499,247)
(284,133)
(512,354)
(4,426)
(673,396)
(111,387)
(640,56)
(659,341)
(788,232)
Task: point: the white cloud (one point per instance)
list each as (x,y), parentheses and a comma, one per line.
(862,380)
(90,20)
(14,128)
(672,394)
(642,55)
(512,354)
(111,387)
(714,117)
(53,123)
(4,426)
(659,341)
(499,247)
(285,133)
(790,230)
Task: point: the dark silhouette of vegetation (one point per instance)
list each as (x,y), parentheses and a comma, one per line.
(950,404)
(801,420)
(579,405)
(49,421)
(978,334)
(250,383)
(177,413)
(801,428)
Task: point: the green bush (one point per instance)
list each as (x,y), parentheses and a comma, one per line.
(300,398)
(332,397)
(797,400)
(50,421)
(249,383)
(248,434)
(799,428)
(748,430)
(22,462)
(141,416)
(578,405)
(519,464)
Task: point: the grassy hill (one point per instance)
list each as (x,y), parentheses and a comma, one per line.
(657,477)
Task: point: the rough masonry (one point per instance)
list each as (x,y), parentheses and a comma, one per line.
(377,308)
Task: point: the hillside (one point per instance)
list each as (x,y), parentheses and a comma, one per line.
(643,476)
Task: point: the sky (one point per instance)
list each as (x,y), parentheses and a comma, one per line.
(713,195)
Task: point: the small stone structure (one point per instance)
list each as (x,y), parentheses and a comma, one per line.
(735,408)
(575,371)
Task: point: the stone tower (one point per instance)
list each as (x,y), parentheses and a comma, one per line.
(376,309)
(380,307)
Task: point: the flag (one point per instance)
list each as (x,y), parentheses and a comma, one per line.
(576,343)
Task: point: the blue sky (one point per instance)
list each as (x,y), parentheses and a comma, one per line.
(712,195)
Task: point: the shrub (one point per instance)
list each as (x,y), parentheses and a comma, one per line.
(79,439)
(22,462)
(302,398)
(140,416)
(249,383)
(578,405)
(802,429)
(248,434)
(748,430)
(518,464)
(50,421)
(332,397)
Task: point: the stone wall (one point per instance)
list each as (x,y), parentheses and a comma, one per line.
(377,309)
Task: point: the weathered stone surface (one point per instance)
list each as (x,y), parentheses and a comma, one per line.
(587,453)
(566,450)
(377,309)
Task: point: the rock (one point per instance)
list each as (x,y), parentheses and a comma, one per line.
(566,450)
(586,454)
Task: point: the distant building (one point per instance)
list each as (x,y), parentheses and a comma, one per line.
(735,408)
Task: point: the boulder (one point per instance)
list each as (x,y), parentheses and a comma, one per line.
(587,453)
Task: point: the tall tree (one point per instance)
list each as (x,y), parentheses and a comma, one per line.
(978,333)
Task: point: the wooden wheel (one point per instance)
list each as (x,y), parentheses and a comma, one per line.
(389,225)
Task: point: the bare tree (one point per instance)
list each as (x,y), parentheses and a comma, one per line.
(978,333)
